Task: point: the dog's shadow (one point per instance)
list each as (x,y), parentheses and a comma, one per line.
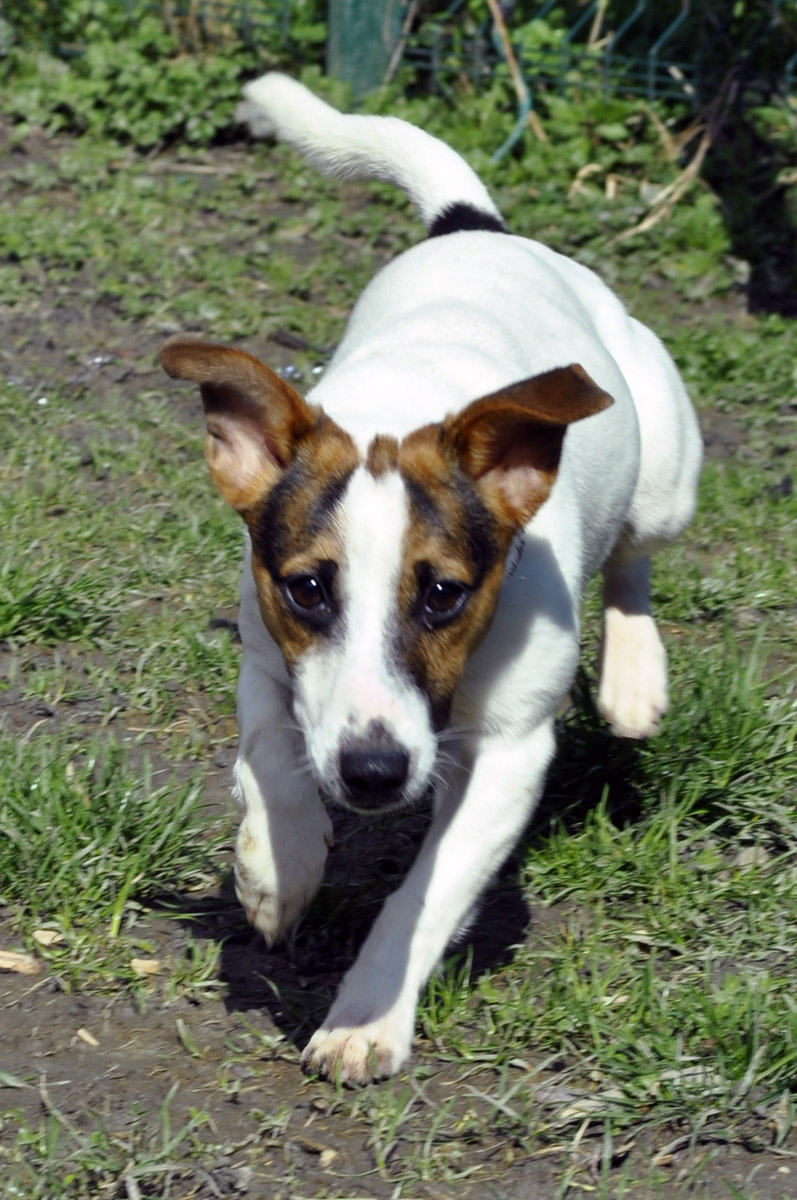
(295,982)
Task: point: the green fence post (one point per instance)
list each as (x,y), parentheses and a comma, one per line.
(361,38)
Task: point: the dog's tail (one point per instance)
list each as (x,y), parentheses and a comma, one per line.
(441,185)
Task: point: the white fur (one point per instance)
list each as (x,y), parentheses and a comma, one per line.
(338,690)
(453,319)
(362,147)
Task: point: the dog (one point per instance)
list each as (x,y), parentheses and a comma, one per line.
(491,431)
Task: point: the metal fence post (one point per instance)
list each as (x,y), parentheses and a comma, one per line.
(361,37)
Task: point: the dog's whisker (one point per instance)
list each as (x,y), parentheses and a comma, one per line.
(302,768)
(456,733)
(447,761)
(291,725)
(444,769)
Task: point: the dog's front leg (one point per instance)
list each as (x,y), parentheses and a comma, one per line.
(285,832)
(368,1032)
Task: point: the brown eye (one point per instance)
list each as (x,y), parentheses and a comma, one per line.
(442,601)
(311,596)
(442,596)
(306,592)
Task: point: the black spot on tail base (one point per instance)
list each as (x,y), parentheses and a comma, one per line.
(461,217)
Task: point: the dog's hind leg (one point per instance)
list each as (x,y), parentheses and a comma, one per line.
(632,693)
(285,832)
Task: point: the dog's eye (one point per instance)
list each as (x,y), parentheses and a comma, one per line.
(311,596)
(442,601)
(306,592)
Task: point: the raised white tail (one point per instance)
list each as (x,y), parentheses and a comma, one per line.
(441,185)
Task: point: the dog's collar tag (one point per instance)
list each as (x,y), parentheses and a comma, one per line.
(514,555)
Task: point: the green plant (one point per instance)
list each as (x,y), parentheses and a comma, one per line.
(140,89)
(54,1157)
(86,831)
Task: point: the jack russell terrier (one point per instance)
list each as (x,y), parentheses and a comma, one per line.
(492,429)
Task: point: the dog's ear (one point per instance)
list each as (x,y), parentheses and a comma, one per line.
(254,419)
(510,442)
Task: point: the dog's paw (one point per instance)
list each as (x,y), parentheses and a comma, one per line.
(269,910)
(360,1054)
(275,889)
(632,695)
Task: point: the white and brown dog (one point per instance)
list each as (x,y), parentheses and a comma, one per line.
(492,429)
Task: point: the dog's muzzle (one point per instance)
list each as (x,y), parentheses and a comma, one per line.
(373,770)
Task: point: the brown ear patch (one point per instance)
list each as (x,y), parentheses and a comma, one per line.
(254,419)
(282,463)
(473,482)
(510,442)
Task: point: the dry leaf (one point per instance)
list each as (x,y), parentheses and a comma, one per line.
(47,937)
(589,1106)
(23,964)
(145,966)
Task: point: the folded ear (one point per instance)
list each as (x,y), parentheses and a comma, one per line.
(510,442)
(254,419)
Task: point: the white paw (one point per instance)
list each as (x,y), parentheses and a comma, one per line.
(632,695)
(358,1054)
(275,880)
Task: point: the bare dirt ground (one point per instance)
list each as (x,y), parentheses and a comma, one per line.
(269,1132)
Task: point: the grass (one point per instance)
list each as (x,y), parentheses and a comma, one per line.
(70,1162)
(119,836)
(650,1004)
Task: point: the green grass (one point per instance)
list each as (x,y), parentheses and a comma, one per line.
(651,1000)
(107,840)
(55,1158)
(110,539)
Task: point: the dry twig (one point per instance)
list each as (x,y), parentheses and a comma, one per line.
(521,91)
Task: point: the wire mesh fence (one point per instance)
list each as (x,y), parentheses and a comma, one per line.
(658,49)
(670,50)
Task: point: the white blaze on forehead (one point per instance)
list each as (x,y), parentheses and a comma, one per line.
(345,683)
(374,516)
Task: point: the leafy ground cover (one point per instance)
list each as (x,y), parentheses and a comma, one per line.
(621,1020)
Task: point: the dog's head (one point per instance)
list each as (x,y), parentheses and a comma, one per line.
(377,572)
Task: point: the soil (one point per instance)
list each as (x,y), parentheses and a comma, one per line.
(93,1059)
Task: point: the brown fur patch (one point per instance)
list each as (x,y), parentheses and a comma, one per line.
(382,455)
(283,464)
(452,536)
(294,532)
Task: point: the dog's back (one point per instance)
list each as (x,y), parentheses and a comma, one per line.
(455,318)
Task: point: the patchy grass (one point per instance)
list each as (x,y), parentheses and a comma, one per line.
(56,1158)
(643,1023)
(119,839)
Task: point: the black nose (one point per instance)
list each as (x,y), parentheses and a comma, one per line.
(373,774)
